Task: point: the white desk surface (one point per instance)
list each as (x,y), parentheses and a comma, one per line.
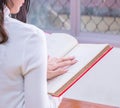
(101,84)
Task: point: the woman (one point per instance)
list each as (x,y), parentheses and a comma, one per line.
(56,66)
(22,14)
(23,62)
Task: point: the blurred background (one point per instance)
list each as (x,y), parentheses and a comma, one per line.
(77,17)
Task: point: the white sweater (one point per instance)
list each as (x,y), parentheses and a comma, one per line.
(23,67)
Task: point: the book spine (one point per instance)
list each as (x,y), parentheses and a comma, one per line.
(105,53)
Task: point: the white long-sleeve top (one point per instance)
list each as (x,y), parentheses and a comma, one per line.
(23,67)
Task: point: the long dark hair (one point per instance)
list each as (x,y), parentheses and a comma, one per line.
(3,34)
(22,14)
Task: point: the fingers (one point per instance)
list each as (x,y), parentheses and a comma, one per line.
(65,63)
(59,66)
(65,59)
(57,72)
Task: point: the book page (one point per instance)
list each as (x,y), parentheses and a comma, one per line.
(58,44)
(84,53)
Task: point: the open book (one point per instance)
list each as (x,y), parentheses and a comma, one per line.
(61,44)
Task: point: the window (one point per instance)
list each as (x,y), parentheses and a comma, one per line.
(81,18)
(50,14)
(100,16)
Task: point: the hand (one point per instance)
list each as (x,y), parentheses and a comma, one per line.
(59,66)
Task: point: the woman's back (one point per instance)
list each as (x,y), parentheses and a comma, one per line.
(16,60)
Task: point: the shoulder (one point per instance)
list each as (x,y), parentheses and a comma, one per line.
(22,29)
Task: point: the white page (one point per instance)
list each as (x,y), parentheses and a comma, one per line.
(101,84)
(84,53)
(58,44)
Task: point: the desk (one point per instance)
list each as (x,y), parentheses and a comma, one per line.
(101,84)
(70,103)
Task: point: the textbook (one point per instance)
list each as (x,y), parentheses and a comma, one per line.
(87,55)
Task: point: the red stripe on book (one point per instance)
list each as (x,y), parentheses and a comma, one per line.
(85,72)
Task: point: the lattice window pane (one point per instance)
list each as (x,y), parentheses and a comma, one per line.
(50,14)
(100,16)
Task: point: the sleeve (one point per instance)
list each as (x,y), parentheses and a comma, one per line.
(34,72)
